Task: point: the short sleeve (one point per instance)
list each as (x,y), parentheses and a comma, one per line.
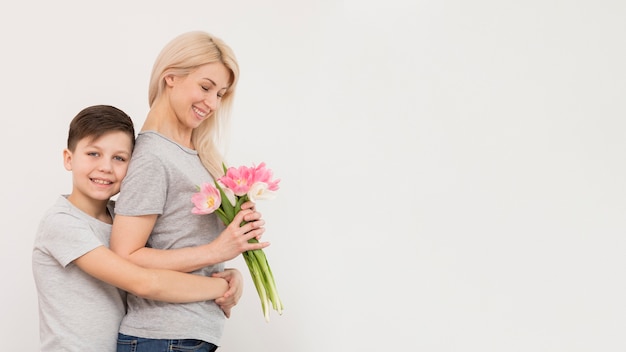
(144,189)
(67,237)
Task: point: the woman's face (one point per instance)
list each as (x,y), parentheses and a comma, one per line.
(194,97)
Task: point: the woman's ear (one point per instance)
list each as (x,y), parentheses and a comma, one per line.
(67,159)
(169,80)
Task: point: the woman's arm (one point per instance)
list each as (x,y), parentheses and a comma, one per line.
(130,234)
(156,284)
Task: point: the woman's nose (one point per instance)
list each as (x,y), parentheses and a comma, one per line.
(211,101)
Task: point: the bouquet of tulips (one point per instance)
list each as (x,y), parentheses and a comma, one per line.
(225,197)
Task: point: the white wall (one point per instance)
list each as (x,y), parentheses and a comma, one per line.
(453,171)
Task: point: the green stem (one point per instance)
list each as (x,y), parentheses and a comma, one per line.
(268,278)
(255,271)
(258,265)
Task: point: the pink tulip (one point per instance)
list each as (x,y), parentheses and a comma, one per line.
(239,185)
(238,179)
(263,174)
(207,200)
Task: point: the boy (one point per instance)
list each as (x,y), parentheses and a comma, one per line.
(77,276)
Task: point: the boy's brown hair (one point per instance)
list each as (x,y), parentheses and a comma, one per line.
(97,120)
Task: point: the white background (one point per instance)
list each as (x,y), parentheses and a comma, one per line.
(453,171)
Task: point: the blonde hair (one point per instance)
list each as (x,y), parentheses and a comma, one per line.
(181,56)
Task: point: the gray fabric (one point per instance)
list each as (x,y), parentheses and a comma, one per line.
(77,312)
(162,177)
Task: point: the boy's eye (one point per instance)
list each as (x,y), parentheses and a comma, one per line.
(93,154)
(119,158)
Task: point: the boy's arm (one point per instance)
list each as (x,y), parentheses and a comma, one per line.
(235,289)
(156,284)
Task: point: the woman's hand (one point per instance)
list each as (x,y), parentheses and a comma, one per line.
(234,239)
(255,215)
(235,290)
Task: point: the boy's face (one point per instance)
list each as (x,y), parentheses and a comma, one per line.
(98,166)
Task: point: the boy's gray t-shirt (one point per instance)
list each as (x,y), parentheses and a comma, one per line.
(161,179)
(77,312)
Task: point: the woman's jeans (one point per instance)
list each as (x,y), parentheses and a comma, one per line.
(127,343)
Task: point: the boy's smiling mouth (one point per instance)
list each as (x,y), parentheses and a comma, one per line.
(101,181)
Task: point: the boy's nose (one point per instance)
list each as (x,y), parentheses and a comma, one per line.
(105,166)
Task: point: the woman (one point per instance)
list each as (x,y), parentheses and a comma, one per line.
(191,90)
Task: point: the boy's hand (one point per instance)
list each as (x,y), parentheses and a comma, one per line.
(235,290)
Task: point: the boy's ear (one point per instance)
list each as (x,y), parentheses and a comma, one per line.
(67,159)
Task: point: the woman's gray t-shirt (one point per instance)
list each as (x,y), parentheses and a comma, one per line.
(162,177)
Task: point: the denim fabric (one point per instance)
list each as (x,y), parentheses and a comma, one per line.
(127,343)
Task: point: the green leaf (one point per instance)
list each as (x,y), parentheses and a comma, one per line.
(229,211)
(239,202)
(223,217)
